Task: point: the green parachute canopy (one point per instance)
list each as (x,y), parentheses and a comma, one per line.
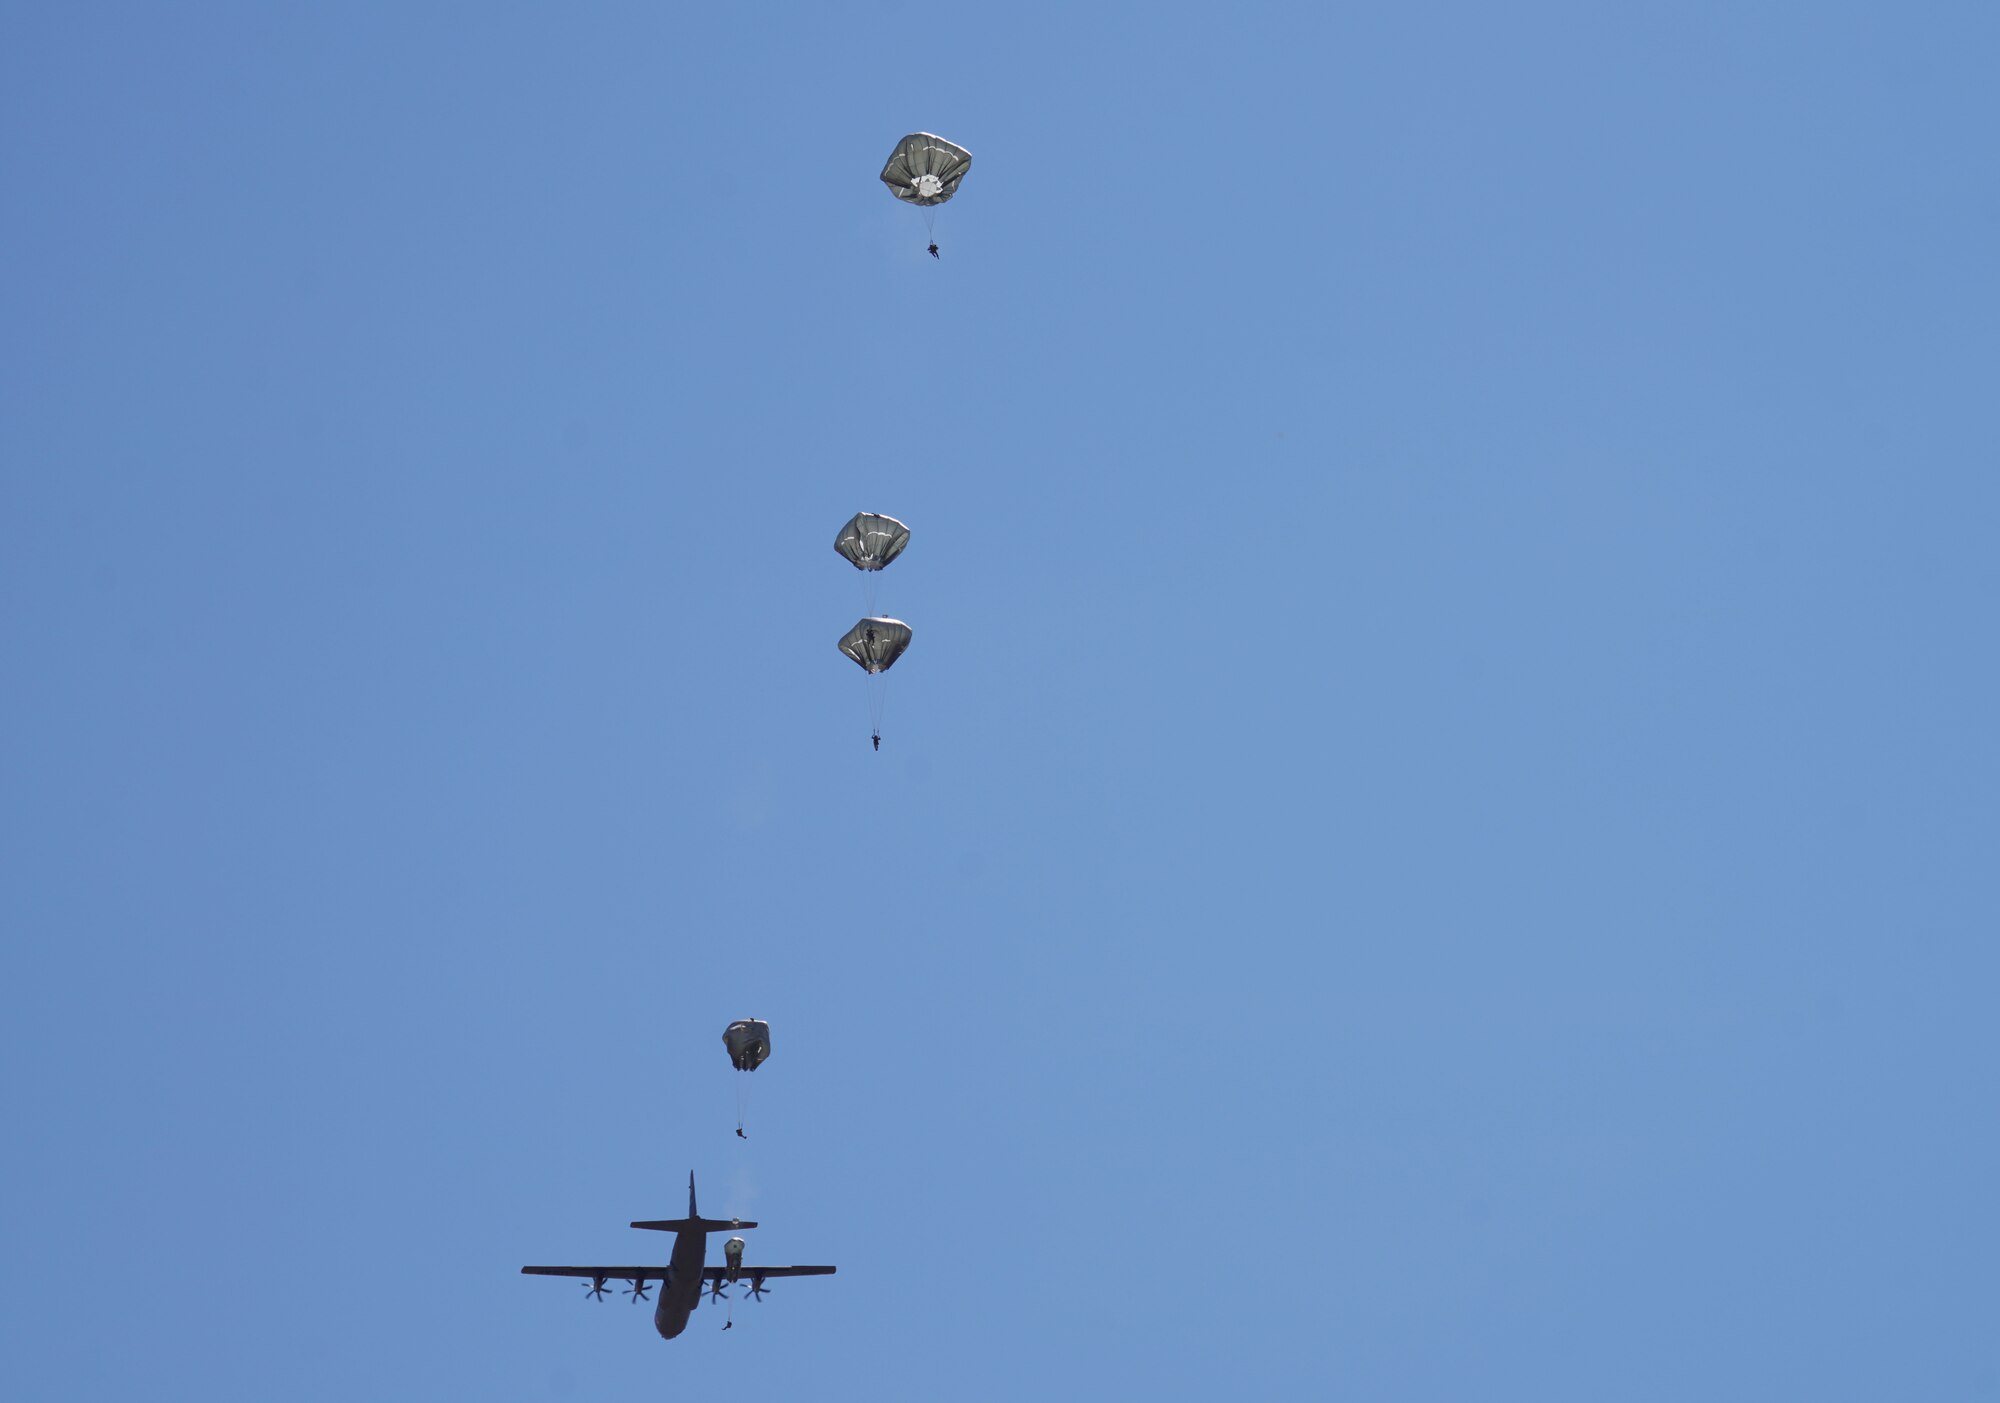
(925,169)
(870,542)
(749,1043)
(876,643)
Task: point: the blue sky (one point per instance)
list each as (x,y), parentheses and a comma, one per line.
(1434,840)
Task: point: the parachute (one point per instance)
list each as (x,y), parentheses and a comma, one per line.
(732,1258)
(749,1043)
(925,170)
(875,644)
(870,542)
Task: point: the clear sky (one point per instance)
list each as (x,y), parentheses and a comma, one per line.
(1435,840)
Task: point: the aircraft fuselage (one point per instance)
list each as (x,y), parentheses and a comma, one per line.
(680,1293)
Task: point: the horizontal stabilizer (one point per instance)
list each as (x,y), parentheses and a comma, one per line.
(696,1224)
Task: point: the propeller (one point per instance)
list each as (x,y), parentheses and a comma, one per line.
(638,1291)
(717,1290)
(757,1288)
(596,1288)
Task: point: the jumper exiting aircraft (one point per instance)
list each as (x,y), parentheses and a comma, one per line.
(681,1279)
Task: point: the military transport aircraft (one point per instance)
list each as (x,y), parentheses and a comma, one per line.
(681,1279)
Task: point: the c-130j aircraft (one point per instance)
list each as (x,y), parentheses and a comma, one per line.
(681,1279)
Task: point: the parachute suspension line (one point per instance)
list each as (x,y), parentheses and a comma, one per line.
(743,1167)
(878,701)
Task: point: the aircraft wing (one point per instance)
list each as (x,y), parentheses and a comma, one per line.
(768,1273)
(608,1273)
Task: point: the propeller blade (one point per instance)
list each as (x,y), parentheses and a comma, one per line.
(638,1292)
